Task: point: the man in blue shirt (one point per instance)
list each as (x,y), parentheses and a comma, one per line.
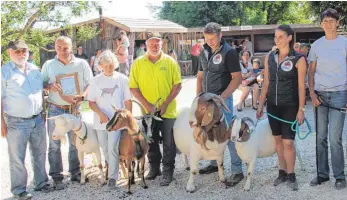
(64,63)
(22,119)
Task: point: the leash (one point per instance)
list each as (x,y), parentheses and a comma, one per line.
(294,125)
(316,125)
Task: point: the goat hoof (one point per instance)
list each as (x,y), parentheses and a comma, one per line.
(246,189)
(130,193)
(83,182)
(188,168)
(190,189)
(145,187)
(228,184)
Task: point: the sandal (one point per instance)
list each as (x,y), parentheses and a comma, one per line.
(255,108)
(239,109)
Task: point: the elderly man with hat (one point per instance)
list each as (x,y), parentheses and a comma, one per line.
(156,76)
(22,119)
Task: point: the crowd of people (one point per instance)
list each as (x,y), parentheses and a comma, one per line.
(155,75)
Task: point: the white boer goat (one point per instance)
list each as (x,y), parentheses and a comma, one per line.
(252,144)
(86,139)
(206,137)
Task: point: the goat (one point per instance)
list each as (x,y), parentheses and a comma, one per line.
(250,145)
(87,141)
(130,135)
(205,136)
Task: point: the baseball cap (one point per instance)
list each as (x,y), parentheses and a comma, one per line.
(18,44)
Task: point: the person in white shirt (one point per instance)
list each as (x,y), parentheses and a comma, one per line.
(108,89)
(249,79)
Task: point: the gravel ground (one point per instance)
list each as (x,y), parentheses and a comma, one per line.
(208,186)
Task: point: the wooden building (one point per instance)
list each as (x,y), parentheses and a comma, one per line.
(137,30)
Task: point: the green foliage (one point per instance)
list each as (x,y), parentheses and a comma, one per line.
(340,6)
(27,20)
(229,13)
(198,13)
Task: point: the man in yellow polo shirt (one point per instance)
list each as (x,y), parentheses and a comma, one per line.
(156,75)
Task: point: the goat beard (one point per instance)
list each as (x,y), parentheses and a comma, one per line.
(200,137)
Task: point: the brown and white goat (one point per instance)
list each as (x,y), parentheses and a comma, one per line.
(130,135)
(201,132)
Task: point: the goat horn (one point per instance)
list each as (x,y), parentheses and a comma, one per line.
(248,119)
(154,109)
(143,110)
(221,101)
(210,96)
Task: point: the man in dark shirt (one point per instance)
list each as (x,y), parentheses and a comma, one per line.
(80,53)
(220,73)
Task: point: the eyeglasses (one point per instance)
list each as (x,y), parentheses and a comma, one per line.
(19,51)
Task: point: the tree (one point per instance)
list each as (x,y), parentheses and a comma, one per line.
(197,13)
(340,6)
(20,20)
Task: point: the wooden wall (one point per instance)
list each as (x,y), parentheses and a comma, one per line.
(89,46)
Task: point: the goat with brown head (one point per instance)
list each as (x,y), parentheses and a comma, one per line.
(208,120)
(240,130)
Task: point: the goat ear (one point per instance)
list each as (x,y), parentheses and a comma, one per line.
(246,134)
(138,117)
(157,118)
(208,116)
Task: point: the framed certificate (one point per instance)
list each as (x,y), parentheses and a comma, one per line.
(69,84)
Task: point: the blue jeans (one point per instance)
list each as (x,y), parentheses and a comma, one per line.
(54,152)
(330,121)
(236,162)
(109,142)
(21,132)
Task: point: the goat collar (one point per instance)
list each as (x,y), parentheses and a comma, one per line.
(219,121)
(136,134)
(82,140)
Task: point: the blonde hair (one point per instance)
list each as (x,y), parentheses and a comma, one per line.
(107,57)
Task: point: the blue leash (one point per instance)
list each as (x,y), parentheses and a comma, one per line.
(294,125)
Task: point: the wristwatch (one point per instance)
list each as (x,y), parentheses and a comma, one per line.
(302,109)
(83,98)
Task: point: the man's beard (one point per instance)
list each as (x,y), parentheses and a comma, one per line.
(20,62)
(154,54)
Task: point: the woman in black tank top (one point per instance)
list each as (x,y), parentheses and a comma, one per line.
(284,89)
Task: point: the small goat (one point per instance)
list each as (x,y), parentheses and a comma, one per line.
(127,124)
(206,137)
(86,139)
(250,145)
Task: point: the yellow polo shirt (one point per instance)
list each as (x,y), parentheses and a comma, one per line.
(156,80)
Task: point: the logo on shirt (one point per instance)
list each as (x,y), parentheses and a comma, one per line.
(162,68)
(217,59)
(108,90)
(287,65)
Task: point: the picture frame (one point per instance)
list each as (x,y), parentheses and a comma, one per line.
(69,84)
